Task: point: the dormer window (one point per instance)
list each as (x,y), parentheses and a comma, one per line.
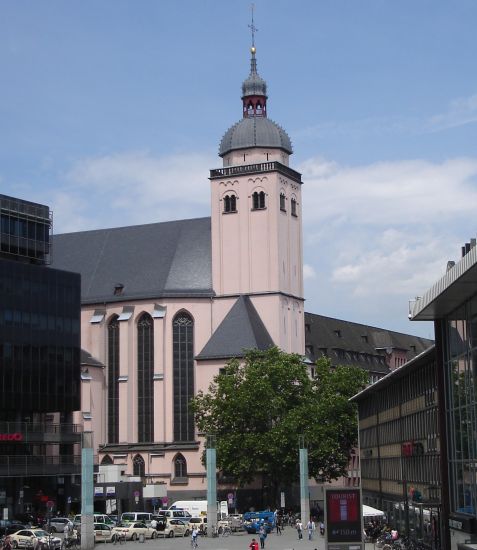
(282,202)
(258,200)
(230,203)
(293,207)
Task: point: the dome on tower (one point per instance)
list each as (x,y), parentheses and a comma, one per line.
(255,129)
(255,132)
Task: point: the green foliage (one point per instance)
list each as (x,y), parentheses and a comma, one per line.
(258,407)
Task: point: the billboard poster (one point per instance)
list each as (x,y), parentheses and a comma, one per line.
(343,517)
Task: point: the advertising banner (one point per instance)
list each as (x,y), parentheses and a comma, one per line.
(343,517)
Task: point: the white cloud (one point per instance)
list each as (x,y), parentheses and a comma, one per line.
(461,111)
(383,231)
(133,188)
(308,272)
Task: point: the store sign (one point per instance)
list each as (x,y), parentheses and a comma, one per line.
(17,436)
(343,515)
(110,491)
(99,491)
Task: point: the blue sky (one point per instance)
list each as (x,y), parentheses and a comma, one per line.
(112,111)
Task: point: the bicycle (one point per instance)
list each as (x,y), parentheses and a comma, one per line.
(226,531)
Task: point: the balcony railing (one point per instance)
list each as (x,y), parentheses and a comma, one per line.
(27,465)
(40,432)
(256,169)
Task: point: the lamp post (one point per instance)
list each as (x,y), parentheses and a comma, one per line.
(210,456)
(87,505)
(304,490)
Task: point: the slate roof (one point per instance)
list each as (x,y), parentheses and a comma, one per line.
(87,360)
(155,260)
(241,329)
(348,343)
(255,132)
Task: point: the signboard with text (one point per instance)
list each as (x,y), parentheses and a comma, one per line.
(343,516)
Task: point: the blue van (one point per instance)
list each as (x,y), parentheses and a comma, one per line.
(253,520)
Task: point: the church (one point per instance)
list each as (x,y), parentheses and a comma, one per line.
(165,305)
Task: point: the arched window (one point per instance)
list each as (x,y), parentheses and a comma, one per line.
(230,203)
(258,200)
(183,376)
(145,377)
(107,461)
(180,466)
(139,468)
(282,202)
(293,207)
(113,380)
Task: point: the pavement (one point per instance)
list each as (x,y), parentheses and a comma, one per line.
(236,541)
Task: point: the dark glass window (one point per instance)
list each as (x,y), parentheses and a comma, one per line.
(107,460)
(180,466)
(139,468)
(183,366)
(293,207)
(113,380)
(145,376)
(282,202)
(258,200)
(230,203)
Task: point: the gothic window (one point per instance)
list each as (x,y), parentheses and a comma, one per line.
(139,467)
(282,202)
(145,377)
(258,200)
(113,382)
(107,461)
(183,376)
(293,207)
(180,466)
(230,203)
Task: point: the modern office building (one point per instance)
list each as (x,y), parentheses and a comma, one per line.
(39,365)
(400,448)
(452,304)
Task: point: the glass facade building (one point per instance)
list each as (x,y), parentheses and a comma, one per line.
(452,304)
(39,364)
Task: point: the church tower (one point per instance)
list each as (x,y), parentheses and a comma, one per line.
(257,218)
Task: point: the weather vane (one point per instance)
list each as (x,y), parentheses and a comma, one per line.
(253,28)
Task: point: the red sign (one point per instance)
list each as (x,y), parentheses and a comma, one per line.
(11,437)
(343,515)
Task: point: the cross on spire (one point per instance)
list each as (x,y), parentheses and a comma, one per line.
(253,28)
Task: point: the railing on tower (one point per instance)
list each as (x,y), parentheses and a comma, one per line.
(256,169)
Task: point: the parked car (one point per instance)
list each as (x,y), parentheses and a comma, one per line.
(103,532)
(25,538)
(176,527)
(133,530)
(57,525)
(8,527)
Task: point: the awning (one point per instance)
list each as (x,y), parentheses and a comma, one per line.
(370,512)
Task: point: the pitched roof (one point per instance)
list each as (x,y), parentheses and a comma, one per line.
(348,343)
(241,329)
(149,261)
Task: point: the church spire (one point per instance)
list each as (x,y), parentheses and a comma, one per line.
(254,88)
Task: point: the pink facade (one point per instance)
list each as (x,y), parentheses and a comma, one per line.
(256,251)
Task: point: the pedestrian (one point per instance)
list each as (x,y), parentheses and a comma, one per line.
(154,524)
(310,528)
(299,529)
(278,526)
(322,528)
(195,534)
(262,533)
(253,545)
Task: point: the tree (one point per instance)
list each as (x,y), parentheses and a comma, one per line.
(259,406)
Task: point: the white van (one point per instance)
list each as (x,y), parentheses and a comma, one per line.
(176,514)
(145,517)
(197,508)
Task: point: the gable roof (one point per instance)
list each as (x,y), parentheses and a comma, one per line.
(149,261)
(348,343)
(241,329)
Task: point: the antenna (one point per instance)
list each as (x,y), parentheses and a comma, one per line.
(252,27)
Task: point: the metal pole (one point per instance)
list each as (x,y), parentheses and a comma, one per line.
(210,455)
(304,490)
(87,505)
